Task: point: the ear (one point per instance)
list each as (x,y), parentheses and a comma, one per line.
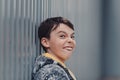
(45,42)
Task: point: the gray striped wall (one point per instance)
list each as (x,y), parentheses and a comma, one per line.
(96,22)
(18,46)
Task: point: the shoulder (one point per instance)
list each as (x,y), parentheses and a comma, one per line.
(41,61)
(45,69)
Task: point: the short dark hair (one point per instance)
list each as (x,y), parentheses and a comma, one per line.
(49,25)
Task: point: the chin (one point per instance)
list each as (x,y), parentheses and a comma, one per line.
(67,57)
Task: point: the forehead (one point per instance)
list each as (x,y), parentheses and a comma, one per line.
(63,28)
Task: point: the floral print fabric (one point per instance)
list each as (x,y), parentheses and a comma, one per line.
(48,69)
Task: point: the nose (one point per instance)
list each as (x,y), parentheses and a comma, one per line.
(70,40)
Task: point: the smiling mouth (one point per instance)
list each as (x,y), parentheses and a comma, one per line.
(68,48)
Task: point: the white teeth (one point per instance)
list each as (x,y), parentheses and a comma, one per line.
(69,48)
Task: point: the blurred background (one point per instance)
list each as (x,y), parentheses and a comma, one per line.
(97,25)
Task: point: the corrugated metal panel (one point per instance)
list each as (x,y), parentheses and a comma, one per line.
(18,20)
(19,44)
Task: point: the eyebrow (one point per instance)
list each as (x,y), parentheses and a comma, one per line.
(64,32)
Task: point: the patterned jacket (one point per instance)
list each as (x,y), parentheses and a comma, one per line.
(48,69)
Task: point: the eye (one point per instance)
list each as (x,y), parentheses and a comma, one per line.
(62,36)
(73,37)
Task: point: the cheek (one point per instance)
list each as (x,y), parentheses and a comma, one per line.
(58,44)
(54,44)
(74,44)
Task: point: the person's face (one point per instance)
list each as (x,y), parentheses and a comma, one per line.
(61,43)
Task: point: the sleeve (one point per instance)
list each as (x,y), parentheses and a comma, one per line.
(50,72)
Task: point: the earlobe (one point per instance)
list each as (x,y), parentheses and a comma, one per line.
(45,42)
